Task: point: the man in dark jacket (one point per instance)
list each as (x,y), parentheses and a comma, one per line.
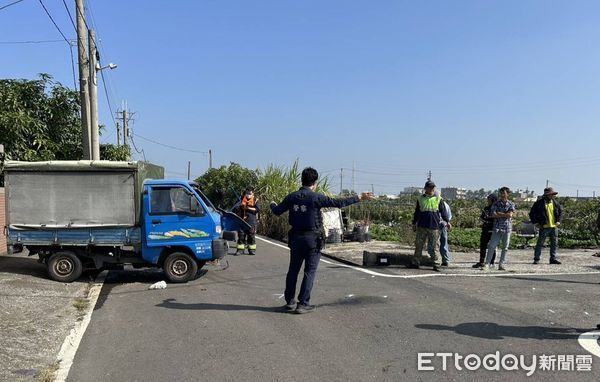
(487,226)
(305,238)
(546,214)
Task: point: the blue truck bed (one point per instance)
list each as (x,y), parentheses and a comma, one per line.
(100,236)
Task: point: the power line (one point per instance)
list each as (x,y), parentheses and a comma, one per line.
(69,12)
(517,167)
(73,67)
(35,42)
(582,186)
(169,146)
(135,147)
(65,38)
(108,100)
(54,22)
(106,83)
(8,5)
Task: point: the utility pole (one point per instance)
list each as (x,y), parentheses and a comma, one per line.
(118,134)
(125,127)
(189,169)
(429,175)
(83,79)
(372,189)
(94,134)
(341,180)
(209,159)
(353,190)
(547,181)
(124,116)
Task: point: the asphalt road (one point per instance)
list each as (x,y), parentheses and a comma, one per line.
(227,326)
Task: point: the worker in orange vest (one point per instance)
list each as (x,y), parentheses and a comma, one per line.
(248,210)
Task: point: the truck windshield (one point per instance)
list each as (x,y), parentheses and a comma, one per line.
(206,201)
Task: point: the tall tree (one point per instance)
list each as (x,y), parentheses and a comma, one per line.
(39,120)
(224,185)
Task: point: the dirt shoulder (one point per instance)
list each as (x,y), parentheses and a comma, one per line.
(36,315)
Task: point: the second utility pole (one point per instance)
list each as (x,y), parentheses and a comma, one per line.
(93,131)
(84,72)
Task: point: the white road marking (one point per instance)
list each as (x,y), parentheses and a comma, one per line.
(589,341)
(373,273)
(67,352)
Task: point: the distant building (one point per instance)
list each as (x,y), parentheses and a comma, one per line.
(391,197)
(454,193)
(525,196)
(411,190)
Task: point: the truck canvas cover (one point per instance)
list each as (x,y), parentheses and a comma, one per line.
(60,194)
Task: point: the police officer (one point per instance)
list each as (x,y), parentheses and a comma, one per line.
(305,237)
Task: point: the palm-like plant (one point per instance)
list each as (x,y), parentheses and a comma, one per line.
(274,183)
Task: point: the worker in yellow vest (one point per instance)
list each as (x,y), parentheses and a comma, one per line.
(429,213)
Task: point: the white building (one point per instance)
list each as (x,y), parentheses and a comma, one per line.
(453,193)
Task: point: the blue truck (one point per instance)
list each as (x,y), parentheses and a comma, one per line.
(94,215)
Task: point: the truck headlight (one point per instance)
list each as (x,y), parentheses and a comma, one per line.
(219,230)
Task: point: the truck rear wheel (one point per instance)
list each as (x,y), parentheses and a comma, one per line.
(180,267)
(64,266)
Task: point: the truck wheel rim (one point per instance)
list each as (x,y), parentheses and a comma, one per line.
(63,267)
(180,267)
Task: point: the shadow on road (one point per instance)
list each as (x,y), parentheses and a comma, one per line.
(20,265)
(493,331)
(357,300)
(171,303)
(544,279)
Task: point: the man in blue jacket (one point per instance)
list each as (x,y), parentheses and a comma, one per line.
(546,213)
(305,238)
(429,212)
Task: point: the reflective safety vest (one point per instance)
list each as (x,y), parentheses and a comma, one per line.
(249,202)
(429,203)
(248,216)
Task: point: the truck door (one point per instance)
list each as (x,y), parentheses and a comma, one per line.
(176,218)
(232,222)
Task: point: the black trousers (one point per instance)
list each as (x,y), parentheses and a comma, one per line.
(304,248)
(484,239)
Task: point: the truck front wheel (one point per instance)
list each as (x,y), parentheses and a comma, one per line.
(180,267)
(64,266)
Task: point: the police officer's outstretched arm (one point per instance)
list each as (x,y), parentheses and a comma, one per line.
(280,208)
(325,201)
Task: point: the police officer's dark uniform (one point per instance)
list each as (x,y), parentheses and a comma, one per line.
(305,240)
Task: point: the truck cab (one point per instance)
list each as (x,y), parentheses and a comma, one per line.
(178,216)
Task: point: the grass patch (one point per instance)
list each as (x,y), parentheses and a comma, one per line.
(81,305)
(48,374)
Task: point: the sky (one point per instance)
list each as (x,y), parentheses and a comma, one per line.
(481,93)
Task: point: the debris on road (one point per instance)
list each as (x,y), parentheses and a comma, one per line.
(158,285)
